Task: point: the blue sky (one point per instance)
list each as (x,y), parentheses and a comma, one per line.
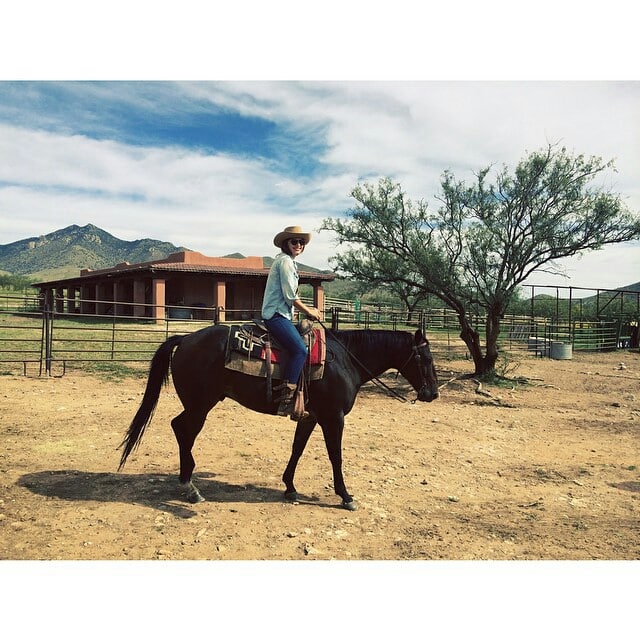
(220,166)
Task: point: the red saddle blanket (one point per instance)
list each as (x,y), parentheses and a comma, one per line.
(248,345)
(317,351)
(247,352)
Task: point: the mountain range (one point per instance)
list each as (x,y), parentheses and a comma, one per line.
(63,253)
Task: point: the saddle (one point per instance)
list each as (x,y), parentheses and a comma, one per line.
(251,350)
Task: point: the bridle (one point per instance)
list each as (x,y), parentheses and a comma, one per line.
(418,357)
(415,354)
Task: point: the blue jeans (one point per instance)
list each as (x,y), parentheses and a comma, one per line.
(285,332)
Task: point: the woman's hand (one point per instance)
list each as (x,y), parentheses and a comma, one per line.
(313,313)
(310,312)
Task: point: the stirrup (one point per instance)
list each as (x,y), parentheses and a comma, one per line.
(298,411)
(298,416)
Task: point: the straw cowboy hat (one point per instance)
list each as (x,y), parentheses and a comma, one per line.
(291,232)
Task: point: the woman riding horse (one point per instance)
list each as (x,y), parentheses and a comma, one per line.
(280,299)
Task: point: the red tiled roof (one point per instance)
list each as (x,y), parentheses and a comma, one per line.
(199,268)
(205,268)
(184,267)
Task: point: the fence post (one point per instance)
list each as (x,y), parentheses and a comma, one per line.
(335,318)
(43,339)
(47,318)
(113,332)
(423,323)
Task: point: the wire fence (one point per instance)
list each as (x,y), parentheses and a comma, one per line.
(43,341)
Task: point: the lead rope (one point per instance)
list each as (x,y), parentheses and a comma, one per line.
(267,355)
(379,383)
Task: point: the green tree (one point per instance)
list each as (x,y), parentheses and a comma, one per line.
(485,239)
(15,282)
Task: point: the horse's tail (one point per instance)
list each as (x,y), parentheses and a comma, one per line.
(158,376)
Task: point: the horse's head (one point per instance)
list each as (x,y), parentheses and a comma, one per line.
(420,371)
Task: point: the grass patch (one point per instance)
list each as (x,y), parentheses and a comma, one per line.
(495,379)
(114,371)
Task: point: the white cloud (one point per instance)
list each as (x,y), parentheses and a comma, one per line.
(213,204)
(609,268)
(415,130)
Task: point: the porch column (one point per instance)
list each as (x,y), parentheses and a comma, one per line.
(138,298)
(220,298)
(158,288)
(117,309)
(318,298)
(71,299)
(101,299)
(60,300)
(87,293)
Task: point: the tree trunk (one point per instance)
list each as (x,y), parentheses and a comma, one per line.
(484,363)
(472,339)
(492,325)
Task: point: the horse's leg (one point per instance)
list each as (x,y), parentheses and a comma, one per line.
(303,431)
(332,432)
(186,428)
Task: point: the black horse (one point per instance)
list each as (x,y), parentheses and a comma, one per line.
(201,381)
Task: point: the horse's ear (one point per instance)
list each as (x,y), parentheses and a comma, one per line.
(419,337)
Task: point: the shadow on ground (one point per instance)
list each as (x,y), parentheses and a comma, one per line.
(155,490)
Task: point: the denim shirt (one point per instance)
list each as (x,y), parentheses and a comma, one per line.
(281,289)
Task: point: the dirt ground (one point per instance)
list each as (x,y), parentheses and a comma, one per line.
(544,470)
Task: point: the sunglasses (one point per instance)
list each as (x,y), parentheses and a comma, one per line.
(297,241)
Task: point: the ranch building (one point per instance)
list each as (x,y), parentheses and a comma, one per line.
(184,285)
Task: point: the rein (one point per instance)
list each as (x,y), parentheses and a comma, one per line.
(375,379)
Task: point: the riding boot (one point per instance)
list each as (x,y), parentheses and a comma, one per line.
(287,406)
(287,391)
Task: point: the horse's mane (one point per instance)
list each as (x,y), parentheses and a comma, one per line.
(370,339)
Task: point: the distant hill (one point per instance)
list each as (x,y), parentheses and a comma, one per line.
(62,253)
(631,287)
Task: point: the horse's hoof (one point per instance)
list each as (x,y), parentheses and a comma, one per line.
(192,494)
(291,496)
(350,506)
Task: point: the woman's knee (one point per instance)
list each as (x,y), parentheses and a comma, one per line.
(299,348)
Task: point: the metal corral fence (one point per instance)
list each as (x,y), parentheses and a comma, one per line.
(44,341)
(517,332)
